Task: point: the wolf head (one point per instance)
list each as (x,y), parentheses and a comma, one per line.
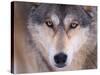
(62,34)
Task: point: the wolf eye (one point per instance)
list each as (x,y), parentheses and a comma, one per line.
(49,23)
(74,25)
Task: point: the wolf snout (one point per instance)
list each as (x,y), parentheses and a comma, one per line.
(60,60)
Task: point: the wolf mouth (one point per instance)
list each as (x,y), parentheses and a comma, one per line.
(60,66)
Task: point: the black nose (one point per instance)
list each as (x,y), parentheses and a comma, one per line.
(60,59)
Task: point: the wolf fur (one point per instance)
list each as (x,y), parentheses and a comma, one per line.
(36,44)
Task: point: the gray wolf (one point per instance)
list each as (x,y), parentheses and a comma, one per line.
(60,38)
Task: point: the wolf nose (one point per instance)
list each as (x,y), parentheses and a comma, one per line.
(60,59)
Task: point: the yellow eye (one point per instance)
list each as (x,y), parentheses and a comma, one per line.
(74,25)
(49,23)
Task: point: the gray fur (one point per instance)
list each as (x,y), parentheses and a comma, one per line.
(43,10)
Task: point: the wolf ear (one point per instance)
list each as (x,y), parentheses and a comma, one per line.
(91,11)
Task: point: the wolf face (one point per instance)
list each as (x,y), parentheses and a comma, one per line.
(61,34)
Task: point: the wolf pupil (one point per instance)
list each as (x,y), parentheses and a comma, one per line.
(74,25)
(49,24)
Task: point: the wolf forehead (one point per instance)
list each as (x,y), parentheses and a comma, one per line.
(47,10)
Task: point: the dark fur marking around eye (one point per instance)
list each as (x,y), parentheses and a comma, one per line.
(36,18)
